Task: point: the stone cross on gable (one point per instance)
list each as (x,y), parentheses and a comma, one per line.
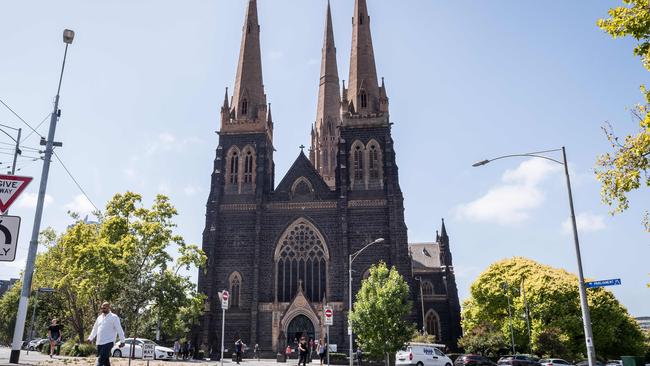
(302,147)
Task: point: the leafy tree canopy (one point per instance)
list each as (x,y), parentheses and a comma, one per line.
(554,306)
(380,311)
(628,167)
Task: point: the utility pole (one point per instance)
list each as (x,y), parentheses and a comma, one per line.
(512,332)
(16,152)
(527,314)
(68,36)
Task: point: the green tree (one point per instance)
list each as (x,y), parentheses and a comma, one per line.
(555,314)
(8,310)
(483,339)
(380,310)
(628,167)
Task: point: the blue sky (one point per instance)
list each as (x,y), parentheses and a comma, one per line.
(467,80)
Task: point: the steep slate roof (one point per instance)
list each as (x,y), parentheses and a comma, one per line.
(425,256)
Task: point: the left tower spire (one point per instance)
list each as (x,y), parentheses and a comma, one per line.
(248,108)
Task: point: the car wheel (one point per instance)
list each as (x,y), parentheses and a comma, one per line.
(117,353)
(31,348)
(420,364)
(448,364)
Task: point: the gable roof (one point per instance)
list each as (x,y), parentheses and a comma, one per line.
(302,167)
(425,256)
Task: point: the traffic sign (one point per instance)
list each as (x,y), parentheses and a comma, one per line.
(148,350)
(601,283)
(9,228)
(224,299)
(329,316)
(11,186)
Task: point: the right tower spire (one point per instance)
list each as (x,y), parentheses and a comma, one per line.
(363,96)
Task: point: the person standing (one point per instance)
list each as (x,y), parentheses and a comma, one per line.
(54,335)
(322,351)
(287,351)
(303,348)
(359,356)
(239,345)
(177,348)
(106,328)
(256,351)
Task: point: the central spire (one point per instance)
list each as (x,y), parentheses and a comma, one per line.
(325,136)
(248,104)
(364,95)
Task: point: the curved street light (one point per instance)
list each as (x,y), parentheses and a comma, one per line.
(352,257)
(586,318)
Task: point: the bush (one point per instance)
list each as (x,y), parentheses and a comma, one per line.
(335,356)
(74,349)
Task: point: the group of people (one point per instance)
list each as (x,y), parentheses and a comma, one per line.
(183,350)
(305,349)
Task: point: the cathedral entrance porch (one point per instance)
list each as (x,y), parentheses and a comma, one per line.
(299,327)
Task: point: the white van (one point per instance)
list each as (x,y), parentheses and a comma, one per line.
(422,354)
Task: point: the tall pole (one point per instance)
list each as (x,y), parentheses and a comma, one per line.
(422,303)
(31,330)
(33,244)
(223,327)
(16,152)
(512,333)
(586,317)
(527,313)
(349,308)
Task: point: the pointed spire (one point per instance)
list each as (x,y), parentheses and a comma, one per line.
(269,118)
(363,88)
(225,100)
(249,100)
(443,230)
(328,113)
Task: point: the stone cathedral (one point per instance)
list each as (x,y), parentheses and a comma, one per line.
(292,239)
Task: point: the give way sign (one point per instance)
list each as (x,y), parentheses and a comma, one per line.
(11,186)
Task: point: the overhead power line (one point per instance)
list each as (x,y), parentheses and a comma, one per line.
(74,180)
(19,117)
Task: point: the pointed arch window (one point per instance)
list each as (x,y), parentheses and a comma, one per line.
(232,169)
(432,324)
(301,259)
(364,99)
(427,288)
(357,157)
(235,289)
(248,165)
(244,107)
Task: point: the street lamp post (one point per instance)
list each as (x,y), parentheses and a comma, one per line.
(586,318)
(68,36)
(352,257)
(422,303)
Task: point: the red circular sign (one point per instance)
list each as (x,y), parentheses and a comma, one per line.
(225,295)
(328,313)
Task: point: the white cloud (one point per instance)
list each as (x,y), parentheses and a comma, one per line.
(166,141)
(80,205)
(512,201)
(28,200)
(586,222)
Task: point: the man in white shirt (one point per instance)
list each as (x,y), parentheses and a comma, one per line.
(106,328)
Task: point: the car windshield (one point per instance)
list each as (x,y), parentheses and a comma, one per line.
(146,341)
(406,349)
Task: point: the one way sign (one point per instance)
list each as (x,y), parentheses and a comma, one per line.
(9,228)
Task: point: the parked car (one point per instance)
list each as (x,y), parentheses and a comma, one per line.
(554,362)
(422,354)
(160,353)
(473,360)
(586,363)
(517,360)
(35,344)
(614,363)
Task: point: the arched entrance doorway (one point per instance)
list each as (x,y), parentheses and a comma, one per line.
(300,326)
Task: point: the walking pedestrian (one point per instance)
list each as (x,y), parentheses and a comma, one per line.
(287,351)
(54,335)
(322,351)
(359,356)
(106,328)
(256,351)
(239,346)
(303,348)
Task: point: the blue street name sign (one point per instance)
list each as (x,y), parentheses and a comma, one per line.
(601,283)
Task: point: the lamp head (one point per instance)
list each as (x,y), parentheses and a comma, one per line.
(68,36)
(482,162)
(380,240)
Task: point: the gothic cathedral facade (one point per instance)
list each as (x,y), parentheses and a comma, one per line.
(293,239)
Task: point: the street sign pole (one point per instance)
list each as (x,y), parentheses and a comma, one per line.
(327,348)
(223,326)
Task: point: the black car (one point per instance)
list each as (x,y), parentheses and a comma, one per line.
(473,360)
(517,360)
